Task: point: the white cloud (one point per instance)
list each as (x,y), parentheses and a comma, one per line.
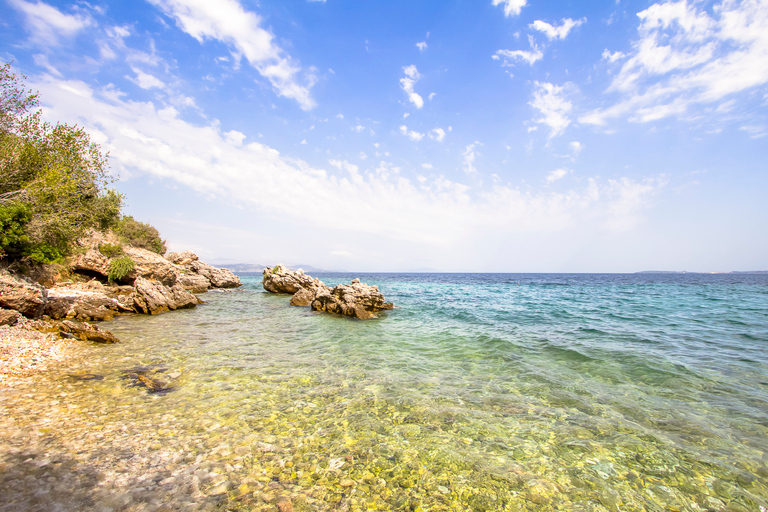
(557,32)
(46,24)
(511,7)
(427,166)
(576,148)
(422,46)
(557,174)
(235,137)
(407,83)
(145,80)
(550,100)
(387,204)
(686,57)
(359,128)
(612,57)
(510,57)
(228,22)
(469,158)
(437,134)
(413,135)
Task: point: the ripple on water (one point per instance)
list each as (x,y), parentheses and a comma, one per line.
(531,401)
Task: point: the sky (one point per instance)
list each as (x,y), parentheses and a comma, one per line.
(440,135)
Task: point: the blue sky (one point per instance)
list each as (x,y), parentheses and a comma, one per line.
(494,135)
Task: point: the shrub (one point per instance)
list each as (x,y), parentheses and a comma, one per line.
(13,225)
(111,250)
(139,234)
(119,268)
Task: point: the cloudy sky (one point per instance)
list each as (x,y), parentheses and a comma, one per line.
(454,135)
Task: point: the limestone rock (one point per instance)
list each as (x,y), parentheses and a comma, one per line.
(151,265)
(195,283)
(153,297)
(303,297)
(9,317)
(181,258)
(88,302)
(92,262)
(279,279)
(219,277)
(357,300)
(27,299)
(87,332)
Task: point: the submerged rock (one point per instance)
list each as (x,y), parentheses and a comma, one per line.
(357,300)
(148,377)
(86,332)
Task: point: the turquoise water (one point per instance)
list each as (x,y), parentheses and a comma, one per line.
(479,392)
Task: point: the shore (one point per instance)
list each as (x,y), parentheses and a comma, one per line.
(25,351)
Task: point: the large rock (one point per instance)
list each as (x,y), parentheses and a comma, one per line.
(357,300)
(151,265)
(9,316)
(153,297)
(27,299)
(303,297)
(195,273)
(88,302)
(279,279)
(86,332)
(92,262)
(219,277)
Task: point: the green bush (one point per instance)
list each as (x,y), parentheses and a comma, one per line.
(139,234)
(44,253)
(111,250)
(13,225)
(119,268)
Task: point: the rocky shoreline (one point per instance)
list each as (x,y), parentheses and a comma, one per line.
(39,317)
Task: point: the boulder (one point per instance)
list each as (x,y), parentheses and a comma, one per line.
(86,332)
(357,300)
(153,297)
(88,302)
(181,258)
(92,262)
(151,265)
(219,277)
(9,316)
(193,282)
(279,279)
(303,297)
(26,298)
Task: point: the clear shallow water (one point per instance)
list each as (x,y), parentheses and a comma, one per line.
(479,392)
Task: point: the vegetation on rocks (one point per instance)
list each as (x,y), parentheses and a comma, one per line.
(119,268)
(53,185)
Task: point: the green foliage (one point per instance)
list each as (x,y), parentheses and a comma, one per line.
(55,172)
(139,234)
(119,268)
(13,225)
(44,253)
(111,250)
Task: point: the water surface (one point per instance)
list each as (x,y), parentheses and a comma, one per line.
(479,392)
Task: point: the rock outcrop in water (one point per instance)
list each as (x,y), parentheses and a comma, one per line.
(357,299)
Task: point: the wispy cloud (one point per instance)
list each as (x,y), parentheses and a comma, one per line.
(408,82)
(686,57)
(550,100)
(559,31)
(47,25)
(228,22)
(511,57)
(511,7)
(413,135)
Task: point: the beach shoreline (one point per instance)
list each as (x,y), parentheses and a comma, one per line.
(25,351)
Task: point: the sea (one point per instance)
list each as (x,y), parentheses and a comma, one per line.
(478,392)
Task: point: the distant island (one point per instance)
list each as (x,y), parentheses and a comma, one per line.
(686,272)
